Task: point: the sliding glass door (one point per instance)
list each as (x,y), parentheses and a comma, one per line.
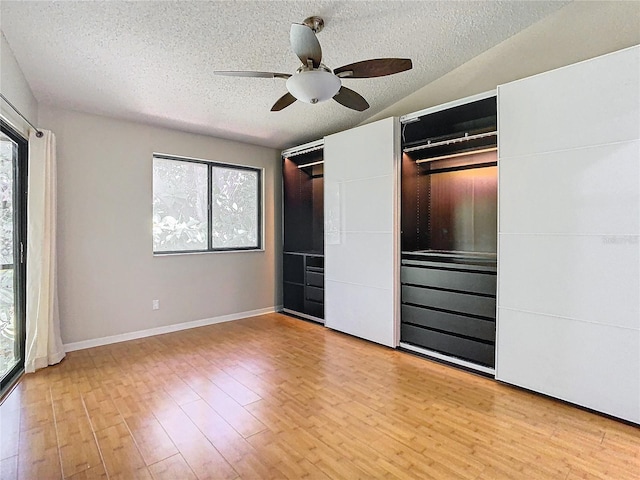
(13,175)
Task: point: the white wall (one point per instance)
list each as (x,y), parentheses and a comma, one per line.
(576,32)
(108,275)
(14,86)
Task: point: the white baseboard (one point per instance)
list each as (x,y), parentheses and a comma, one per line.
(123,337)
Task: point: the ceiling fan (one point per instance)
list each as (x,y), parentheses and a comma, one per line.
(313,82)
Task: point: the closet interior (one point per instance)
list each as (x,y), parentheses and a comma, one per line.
(303,231)
(449,178)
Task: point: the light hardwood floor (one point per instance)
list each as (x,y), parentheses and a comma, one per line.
(276,397)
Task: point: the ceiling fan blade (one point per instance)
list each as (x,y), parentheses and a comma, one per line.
(378,67)
(351,99)
(252,74)
(305,44)
(283,102)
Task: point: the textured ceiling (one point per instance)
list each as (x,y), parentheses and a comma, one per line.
(152,61)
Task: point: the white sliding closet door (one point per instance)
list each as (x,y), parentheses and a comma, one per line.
(569,235)
(360,205)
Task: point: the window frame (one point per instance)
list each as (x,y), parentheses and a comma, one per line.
(20,244)
(211,164)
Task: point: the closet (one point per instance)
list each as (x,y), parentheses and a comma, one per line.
(303,231)
(394,232)
(449,178)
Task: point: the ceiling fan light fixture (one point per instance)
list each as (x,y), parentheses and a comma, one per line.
(313,86)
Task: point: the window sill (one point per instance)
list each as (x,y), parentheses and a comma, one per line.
(241,250)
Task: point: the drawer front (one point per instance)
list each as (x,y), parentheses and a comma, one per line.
(450,323)
(314,293)
(483,283)
(453,301)
(315,261)
(314,309)
(315,279)
(477,352)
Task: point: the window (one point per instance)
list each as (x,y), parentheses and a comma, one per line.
(201,206)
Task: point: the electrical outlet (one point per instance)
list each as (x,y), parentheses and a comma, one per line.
(156,305)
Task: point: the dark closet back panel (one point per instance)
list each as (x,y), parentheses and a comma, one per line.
(450,210)
(317,216)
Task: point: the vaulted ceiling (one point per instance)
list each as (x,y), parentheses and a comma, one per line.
(152,61)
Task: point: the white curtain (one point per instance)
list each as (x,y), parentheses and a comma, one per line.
(43,343)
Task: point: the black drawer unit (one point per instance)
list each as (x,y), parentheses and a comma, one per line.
(449,305)
(303,289)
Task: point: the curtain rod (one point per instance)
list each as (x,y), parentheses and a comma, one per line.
(38,132)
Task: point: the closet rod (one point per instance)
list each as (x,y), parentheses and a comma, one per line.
(465,138)
(302,149)
(38,132)
(455,155)
(310,164)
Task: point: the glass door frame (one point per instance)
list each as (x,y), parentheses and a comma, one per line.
(19,250)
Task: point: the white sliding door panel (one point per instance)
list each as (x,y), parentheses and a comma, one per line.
(363,250)
(569,234)
(584,188)
(576,372)
(364,210)
(595,278)
(542,109)
(359,310)
(360,185)
(374,153)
